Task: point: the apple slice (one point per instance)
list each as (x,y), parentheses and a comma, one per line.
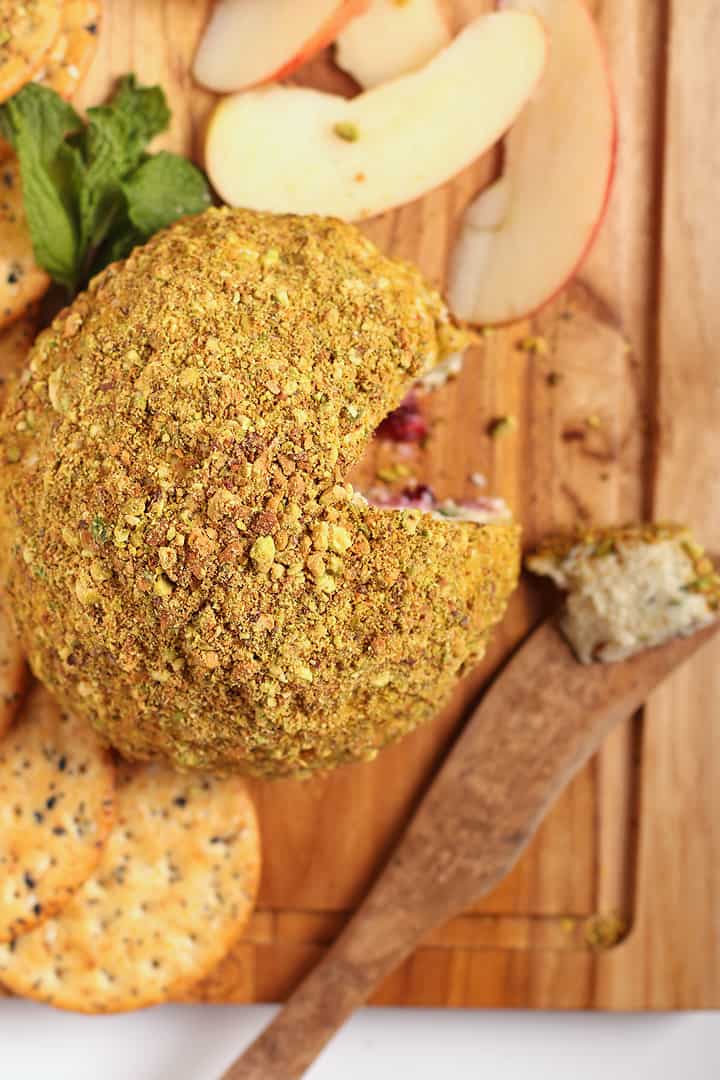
(294,150)
(252,41)
(524,237)
(390,39)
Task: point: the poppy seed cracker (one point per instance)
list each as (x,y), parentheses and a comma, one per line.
(174,888)
(21,279)
(27,30)
(69,60)
(56,808)
(67,63)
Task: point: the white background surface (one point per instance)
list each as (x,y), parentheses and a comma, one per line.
(197,1043)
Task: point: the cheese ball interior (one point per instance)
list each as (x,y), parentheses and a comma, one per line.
(629,588)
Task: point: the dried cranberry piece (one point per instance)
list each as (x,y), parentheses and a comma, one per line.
(418,495)
(406,424)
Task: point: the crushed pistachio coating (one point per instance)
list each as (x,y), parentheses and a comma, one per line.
(187,566)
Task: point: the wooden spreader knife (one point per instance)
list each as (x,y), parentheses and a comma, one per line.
(540,721)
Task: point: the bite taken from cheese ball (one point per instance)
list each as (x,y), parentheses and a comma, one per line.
(629,588)
(187,565)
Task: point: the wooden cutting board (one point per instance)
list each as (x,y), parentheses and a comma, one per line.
(630,857)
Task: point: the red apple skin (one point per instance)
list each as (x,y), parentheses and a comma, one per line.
(592,235)
(323,36)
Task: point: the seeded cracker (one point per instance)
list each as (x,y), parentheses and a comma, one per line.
(173,891)
(21,280)
(15,342)
(56,806)
(69,60)
(27,30)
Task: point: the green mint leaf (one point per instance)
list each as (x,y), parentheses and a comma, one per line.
(123,239)
(164,188)
(113,146)
(38,112)
(145,106)
(91,192)
(52,229)
(117,245)
(108,156)
(36,122)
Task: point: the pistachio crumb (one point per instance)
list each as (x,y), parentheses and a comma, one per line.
(163,586)
(605,931)
(346,130)
(390,474)
(262,553)
(501,425)
(604,547)
(534,344)
(340,539)
(99,530)
(316,565)
(85,592)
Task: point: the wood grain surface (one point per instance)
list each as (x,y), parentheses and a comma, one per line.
(632,850)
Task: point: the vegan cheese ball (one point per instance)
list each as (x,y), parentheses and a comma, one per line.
(187,565)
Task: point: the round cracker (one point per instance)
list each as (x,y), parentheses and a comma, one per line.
(27,30)
(68,61)
(21,279)
(175,886)
(56,810)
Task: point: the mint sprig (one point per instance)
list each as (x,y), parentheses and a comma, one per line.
(91,191)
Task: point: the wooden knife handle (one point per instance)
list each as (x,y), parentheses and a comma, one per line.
(374,943)
(321,1005)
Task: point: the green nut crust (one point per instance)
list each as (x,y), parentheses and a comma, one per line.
(187,566)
